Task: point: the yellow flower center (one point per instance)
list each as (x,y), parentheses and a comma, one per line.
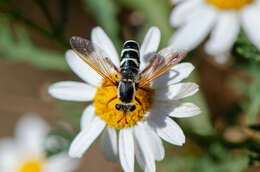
(31,166)
(105,105)
(229,4)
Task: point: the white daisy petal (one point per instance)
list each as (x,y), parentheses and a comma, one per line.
(72,90)
(181,71)
(168,130)
(220,41)
(99,37)
(182,11)
(185,110)
(30,133)
(155,143)
(142,143)
(195,31)
(175,75)
(86,137)
(176,91)
(61,163)
(8,154)
(250,21)
(149,46)
(81,69)
(109,144)
(140,157)
(87,117)
(126,149)
(222,58)
(163,107)
(176,1)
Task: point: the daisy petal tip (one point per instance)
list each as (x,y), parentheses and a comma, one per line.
(185,110)
(74,155)
(191,66)
(97,28)
(101,39)
(175,1)
(181,141)
(51,90)
(74,152)
(155,30)
(70,57)
(69,53)
(195,87)
(181,144)
(151,41)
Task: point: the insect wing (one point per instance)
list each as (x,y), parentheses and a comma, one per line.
(162,62)
(95,57)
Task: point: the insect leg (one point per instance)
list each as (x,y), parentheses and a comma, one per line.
(113,98)
(140,103)
(146,90)
(112,64)
(108,85)
(124,116)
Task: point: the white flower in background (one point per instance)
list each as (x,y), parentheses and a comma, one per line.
(221,19)
(141,132)
(25,152)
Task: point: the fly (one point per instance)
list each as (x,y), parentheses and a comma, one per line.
(130,77)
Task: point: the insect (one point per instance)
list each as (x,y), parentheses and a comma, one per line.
(130,77)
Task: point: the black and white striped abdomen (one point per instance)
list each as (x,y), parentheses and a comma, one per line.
(130,60)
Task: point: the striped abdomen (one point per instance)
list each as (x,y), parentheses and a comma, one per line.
(129,68)
(130,61)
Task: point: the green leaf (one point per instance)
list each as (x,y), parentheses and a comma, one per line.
(216,159)
(21,48)
(251,90)
(245,49)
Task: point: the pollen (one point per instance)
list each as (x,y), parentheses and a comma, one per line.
(229,4)
(31,166)
(105,105)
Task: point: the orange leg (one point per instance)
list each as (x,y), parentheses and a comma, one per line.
(108,85)
(146,90)
(123,117)
(113,98)
(140,103)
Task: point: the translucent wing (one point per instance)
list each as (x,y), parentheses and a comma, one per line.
(162,62)
(95,57)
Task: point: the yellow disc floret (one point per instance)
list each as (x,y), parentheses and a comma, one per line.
(229,4)
(31,166)
(105,101)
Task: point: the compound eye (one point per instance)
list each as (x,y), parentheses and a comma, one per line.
(118,106)
(132,108)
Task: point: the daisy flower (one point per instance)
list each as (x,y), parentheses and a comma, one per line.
(25,152)
(141,133)
(221,19)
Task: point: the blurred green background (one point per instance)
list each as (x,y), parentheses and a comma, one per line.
(34,35)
